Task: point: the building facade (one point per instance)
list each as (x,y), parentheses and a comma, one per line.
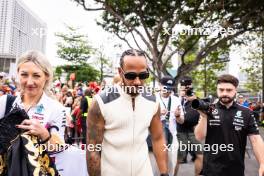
(20,30)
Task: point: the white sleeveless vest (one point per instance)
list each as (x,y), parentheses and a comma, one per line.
(124,147)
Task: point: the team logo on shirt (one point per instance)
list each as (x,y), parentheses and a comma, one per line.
(255,123)
(239,114)
(38,114)
(40,118)
(216,118)
(215,112)
(214,122)
(238,128)
(238,121)
(39,109)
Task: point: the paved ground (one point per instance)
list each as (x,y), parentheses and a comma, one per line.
(251,164)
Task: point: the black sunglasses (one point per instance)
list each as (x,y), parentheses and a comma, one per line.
(134,75)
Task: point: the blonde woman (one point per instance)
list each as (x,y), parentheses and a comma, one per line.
(35,76)
(46,115)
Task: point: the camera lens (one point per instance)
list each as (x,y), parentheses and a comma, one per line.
(189,92)
(195,104)
(200,105)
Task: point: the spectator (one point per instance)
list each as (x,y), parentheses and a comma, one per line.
(85,104)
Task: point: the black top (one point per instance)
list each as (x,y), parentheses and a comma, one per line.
(228,128)
(191,118)
(84,105)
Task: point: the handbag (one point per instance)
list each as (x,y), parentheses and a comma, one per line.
(20,153)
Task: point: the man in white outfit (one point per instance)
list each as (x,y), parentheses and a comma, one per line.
(118,122)
(171,111)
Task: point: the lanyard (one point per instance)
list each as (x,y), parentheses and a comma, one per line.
(168,107)
(183,102)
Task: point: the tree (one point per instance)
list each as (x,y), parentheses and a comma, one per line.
(152,25)
(83,72)
(205,75)
(253,63)
(102,62)
(73,46)
(204,80)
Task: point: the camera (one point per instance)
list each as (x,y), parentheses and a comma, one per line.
(204,105)
(189,91)
(187,83)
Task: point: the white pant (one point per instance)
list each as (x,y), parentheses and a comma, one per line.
(172,158)
(71,162)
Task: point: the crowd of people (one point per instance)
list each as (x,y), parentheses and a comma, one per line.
(136,132)
(75,98)
(255,106)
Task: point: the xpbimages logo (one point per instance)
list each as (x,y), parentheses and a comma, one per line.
(70,147)
(214,31)
(148,91)
(213,148)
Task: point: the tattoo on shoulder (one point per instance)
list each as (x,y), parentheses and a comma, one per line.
(95,111)
(95,123)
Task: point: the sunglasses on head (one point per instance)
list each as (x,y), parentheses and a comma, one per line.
(134,75)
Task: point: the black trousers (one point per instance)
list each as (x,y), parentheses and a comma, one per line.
(84,127)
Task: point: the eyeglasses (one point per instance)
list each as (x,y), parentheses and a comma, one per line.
(134,75)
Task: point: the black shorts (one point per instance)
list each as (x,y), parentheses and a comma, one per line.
(188,143)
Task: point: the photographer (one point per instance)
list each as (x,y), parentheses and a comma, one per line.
(228,123)
(185,130)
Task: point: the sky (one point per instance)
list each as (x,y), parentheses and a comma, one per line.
(56,13)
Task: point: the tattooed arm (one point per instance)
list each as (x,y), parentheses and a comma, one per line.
(95,131)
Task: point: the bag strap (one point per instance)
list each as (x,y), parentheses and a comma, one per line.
(169,108)
(9,102)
